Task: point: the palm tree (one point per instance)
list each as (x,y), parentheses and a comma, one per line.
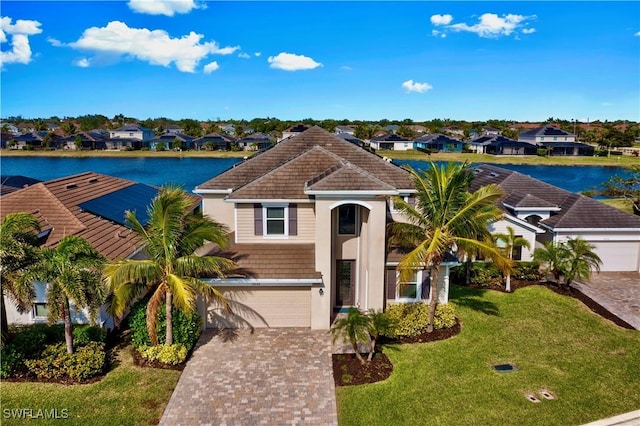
(379,323)
(69,128)
(173,270)
(580,261)
(445,218)
(511,241)
(352,328)
(72,271)
(18,240)
(553,255)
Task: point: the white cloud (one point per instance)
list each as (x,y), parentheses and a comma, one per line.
(437,33)
(257,54)
(243,55)
(637,34)
(291,62)
(414,86)
(55,42)
(528,30)
(164,7)
(441,19)
(211,67)
(153,46)
(491,25)
(18,33)
(346,68)
(83,63)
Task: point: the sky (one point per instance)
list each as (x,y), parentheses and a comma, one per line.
(363,60)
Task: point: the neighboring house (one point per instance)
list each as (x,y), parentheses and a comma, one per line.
(500,145)
(418,128)
(308,223)
(490,131)
(438,142)
(34,139)
(542,212)
(173,129)
(89,205)
(391,128)
(255,142)
(132,131)
(123,143)
(556,141)
(90,140)
(214,141)
(345,129)
(391,141)
(12,183)
(459,133)
(294,130)
(352,139)
(168,140)
(11,129)
(229,129)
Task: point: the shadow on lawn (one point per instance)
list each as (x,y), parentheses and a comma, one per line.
(472,299)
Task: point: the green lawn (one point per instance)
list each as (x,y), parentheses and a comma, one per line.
(591,365)
(128,395)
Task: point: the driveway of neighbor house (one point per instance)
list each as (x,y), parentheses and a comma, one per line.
(274,376)
(618,292)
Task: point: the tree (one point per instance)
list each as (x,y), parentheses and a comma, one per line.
(446,218)
(352,328)
(72,271)
(379,323)
(511,242)
(628,188)
(78,142)
(18,241)
(552,255)
(69,128)
(580,261)
(172,271)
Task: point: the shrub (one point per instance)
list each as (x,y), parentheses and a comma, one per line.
(527,271)
(84,334)
(167,354)
(86,362)
(412,319)
(485,274)
(542,152)
(11,361)
(31,340)
(186,328)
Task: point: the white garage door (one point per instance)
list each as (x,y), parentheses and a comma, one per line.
(618,256)
(262,307)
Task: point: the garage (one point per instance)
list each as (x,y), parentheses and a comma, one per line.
(262,307)
(618,255)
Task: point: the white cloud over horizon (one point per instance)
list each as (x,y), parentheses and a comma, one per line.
(292,62)
(489,25)
(414,86)
(637,34)
(244,55)
(164,7)
(156,47)
(17,36)
(83,63)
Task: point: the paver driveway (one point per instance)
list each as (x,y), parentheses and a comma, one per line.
(280,376)
(618,292)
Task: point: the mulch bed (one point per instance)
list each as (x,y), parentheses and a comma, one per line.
(348,371)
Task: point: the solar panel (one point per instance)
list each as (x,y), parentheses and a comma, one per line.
(113,206)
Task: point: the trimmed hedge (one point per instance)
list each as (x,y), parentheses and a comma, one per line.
(167,354)
(411,319)
(186,328)
(86,362)
(486,274)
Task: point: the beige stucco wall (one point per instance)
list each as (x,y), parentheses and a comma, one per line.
(214,206)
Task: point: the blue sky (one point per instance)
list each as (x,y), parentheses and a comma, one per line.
(363,60)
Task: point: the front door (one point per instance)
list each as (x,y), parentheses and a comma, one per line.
(345,282)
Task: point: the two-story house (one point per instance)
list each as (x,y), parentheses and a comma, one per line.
(555,140)
(308,218)
(438,142)
(132,131)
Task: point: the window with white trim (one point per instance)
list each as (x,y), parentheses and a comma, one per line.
(275,218)
(411,289)
(40,311)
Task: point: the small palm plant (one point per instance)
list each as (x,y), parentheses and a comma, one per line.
(511,242)
(553,255)
(581,260)
(380,324)
(353,328)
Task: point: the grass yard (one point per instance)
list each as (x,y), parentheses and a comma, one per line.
(128,395)
(588,363)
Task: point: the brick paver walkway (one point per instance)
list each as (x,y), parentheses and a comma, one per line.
(279,376)
(618,292)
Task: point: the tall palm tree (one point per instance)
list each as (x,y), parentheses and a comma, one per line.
(172,272)
(581,260)
(72,271)
(446,218)
(511,242)
(18,241)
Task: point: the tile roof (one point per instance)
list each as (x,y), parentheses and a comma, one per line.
(544,131)
(520,200)
(56,204)
(576,211)
(436,138)
(285,168)
(12,183)
(390,137)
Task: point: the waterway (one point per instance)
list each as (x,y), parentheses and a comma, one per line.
(190,172)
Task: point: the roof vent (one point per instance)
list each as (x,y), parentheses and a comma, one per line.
(92,180)
(477,170)
(493,174)
(72,185)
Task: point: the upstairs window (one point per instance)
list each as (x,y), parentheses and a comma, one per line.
(275,221)
(347,219)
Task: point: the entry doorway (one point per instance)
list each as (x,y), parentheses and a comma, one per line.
(345,283)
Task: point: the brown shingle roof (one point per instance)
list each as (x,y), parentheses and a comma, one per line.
(576,211)
(289,149)
(56,203)
(518,199)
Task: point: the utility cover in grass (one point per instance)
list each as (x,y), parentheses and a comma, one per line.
(504,368)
